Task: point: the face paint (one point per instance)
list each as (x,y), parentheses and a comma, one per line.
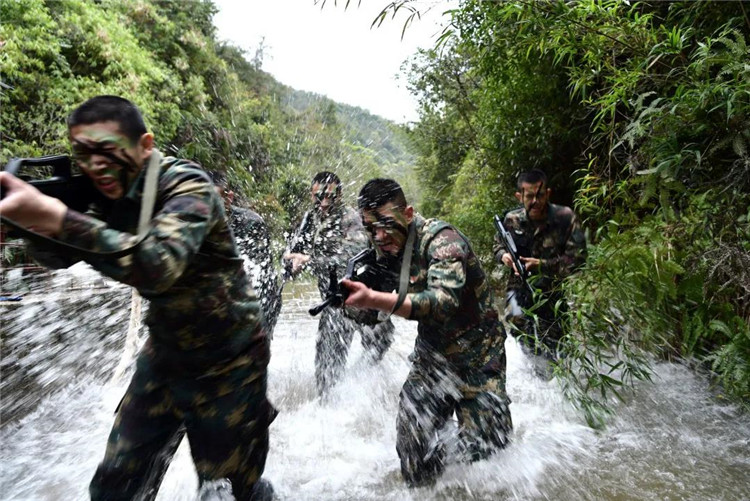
(534,199)
(106,156)
(388,228)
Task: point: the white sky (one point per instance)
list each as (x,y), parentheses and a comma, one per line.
(333,51)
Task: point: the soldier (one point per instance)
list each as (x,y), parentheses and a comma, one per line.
(551,245)
(329,235)
(204,363)
(459,355)
(251,236)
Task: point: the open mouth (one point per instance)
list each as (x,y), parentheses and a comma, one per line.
(107,184)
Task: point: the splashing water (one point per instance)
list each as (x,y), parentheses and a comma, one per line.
(671,439)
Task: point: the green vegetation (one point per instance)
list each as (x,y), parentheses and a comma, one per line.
(202,98)
(640,114)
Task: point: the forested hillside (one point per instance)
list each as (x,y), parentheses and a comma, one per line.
(204,99)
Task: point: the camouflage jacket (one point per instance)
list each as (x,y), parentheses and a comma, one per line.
(251,236)
(451,297)
(331,240)
(202,309)
(559,242)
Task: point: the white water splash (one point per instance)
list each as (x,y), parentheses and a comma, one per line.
(671,440)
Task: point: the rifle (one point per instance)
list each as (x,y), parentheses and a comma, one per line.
(76,191)
(365,268)
(510,245)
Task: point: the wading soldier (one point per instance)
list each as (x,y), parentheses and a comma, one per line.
(551,246)
(251,236)
(459,355)
(204,363)
(330,234)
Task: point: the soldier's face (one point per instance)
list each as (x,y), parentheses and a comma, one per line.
(534,198)
(324,196)
(388,226)
(108,157)
(227,196)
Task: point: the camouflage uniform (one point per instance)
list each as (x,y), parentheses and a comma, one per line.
(251,235)
(561,245)
(458,360)
(331,240)
(204,363)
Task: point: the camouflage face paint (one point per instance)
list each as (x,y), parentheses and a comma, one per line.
(388,228)
(107,156)
(109,146)
(534,200)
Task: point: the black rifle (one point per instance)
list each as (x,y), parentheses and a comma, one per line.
(510,246)
(76,191)
(365,268)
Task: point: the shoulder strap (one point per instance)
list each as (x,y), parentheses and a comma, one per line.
(403,279)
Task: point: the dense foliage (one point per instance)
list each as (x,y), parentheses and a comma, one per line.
(638,111)
(640,114)
(201,97)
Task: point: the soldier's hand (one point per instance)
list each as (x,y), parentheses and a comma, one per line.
(359,294)
(530,263)
(29,207)
(508,261)
(297,259)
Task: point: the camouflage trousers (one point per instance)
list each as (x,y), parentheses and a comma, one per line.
(225,417)
(335,332)
(432,393)
(542,326)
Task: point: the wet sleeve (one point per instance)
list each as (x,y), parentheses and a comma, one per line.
(498,248)
(572,258)
(176,233)
(446,278)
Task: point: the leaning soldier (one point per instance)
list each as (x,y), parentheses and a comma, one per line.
(251,236)
(551,246)
(330,234)
(459,354)
(204,363)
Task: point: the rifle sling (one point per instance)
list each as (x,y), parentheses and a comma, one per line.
(147,207)
(403,280)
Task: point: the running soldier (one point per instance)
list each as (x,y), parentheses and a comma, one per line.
(204,363)
(330,234)
(459,355)
(251,236)
(551,246)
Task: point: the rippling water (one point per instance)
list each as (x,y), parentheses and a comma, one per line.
(671,440)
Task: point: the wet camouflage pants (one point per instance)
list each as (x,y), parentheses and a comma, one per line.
(226,418)
(541,329)
(431,394)
(335,332)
